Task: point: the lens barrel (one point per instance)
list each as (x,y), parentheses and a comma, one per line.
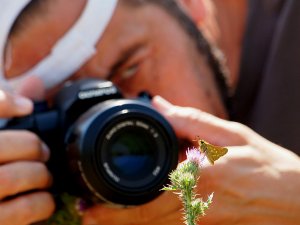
(124,151)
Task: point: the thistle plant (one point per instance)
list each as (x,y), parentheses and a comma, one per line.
(184,181)
(70,211)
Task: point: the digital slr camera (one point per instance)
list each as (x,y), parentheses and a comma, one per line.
(104,147)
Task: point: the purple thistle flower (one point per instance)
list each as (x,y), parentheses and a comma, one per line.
(195,156)
(81,205)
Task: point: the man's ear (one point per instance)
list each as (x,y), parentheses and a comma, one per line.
(196,9)
(203,13)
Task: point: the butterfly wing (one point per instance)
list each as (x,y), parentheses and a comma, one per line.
(212,152)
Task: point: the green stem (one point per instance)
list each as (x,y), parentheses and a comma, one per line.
(190,219)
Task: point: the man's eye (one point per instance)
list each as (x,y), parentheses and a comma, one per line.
(128,73)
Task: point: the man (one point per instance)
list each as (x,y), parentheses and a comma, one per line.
(137,53)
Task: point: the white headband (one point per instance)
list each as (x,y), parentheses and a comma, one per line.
(70,52)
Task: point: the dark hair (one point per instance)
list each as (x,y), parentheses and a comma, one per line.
(33,10)
(213,55)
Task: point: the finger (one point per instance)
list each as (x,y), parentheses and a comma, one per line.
(12,105)
(27,209)
(21,145)
(19,177)
(143,214)
(172,218)
(187,122)
(190,122)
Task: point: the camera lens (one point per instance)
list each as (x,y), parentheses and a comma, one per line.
(131,155)
(125,151)
(132,152)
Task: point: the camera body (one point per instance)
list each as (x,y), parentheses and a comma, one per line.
(104,147)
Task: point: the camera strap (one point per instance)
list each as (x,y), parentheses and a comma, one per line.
(70,52)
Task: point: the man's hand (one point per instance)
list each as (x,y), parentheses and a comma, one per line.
(257,182)
(166,209)
(23,173)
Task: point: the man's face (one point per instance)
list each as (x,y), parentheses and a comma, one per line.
(142,49)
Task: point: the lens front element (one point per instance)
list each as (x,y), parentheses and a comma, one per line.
(131,155)
(132,152)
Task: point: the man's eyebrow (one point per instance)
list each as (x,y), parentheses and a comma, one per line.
(124,56)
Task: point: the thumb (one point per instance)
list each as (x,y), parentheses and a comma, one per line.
(191,122)
(32,88)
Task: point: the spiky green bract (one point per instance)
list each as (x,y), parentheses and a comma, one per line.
(68,213)
(183,182)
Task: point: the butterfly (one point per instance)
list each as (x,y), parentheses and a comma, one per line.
(212,152)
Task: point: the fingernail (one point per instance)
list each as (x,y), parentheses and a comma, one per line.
(161,100)
(161,104)
(24,105)
(45,152)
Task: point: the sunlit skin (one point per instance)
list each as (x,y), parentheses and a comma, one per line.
(145,49)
